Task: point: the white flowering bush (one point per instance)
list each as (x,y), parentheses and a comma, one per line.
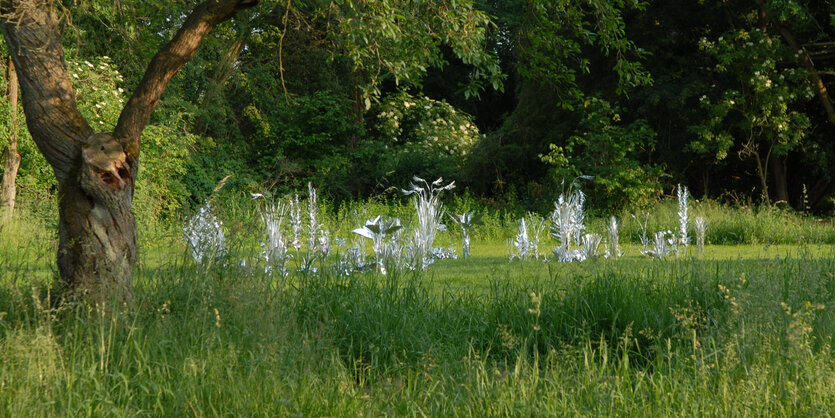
(428,125)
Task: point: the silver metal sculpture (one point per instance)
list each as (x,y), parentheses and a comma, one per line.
(567,225)
(204,235)
(612,248)
(426,199)
(466,222)
(521,243)
(536,226)
(376,230)
(663,243)
(313,226)
(642,226)
(701,228)
(296,222)
(274,250)
(683,239)
(591,245)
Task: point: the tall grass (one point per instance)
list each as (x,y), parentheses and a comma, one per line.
(732,226)
(625,336)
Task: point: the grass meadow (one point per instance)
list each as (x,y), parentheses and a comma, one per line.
(745,329)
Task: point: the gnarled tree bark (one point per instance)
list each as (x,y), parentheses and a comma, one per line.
(95,171)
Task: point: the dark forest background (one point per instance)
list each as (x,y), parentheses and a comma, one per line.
(510,99)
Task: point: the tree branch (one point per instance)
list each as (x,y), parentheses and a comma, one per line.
(820,87)
(166,63)
(814,77)
(30,28)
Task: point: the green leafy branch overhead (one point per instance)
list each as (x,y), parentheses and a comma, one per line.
(402,39)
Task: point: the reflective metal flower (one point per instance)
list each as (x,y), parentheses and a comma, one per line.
(465,221)
(376,230)
(426,198)
(378,227)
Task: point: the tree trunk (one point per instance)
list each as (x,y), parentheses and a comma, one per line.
(96,229)
(821,189)
(781,187)
(763,175)
(8,189)
(95,172)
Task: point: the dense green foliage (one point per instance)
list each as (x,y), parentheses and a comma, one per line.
(507,98)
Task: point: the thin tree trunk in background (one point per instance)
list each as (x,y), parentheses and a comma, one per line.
(781,185)
(821,189)
(763,175)
(8,190)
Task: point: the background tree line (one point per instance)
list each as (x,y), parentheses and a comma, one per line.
(507,98)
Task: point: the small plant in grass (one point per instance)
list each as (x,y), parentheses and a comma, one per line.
(204,235)
(466,222)
(701,228)
(377,230)
(427,202)
(612,248)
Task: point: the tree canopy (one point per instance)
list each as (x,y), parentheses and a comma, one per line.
(725,96)
(508,98)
